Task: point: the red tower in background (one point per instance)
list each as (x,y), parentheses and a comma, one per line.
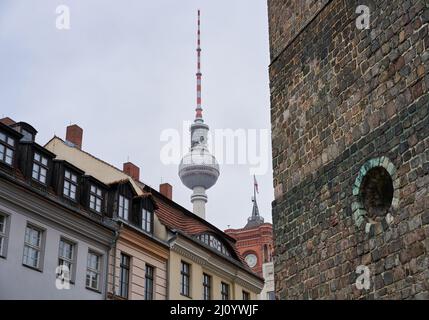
(255,240)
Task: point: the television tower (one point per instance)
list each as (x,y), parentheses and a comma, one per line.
(199,169)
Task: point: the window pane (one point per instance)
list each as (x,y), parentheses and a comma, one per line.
(36,169)
(74,178)
(10,141)
(44,161)
(9,156)
(2,137)
(2,224)
(67,174)
(37,157)
(43,174)
(2,151)
(92,189)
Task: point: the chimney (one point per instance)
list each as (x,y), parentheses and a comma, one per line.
(7,121)
(74,135)
(132,170)
(166,190)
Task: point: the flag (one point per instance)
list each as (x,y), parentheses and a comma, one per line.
(255,184)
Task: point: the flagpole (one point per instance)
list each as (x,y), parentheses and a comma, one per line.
(254,188)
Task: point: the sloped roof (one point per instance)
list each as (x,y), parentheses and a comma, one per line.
(176,217)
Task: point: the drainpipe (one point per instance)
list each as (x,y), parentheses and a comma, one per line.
(114,245)
(168,261)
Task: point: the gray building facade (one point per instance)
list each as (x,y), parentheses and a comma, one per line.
(50,246)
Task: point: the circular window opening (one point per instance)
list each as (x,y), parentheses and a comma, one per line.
(377,192)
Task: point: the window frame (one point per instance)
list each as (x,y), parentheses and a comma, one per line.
(7,146)
(71,260)
(246,295)
(97,197)
(98,271)
(71,183)
(185,279)
(145,223)
(121,205)
(149,279)
(224,293)
(4,235)
(124,275)
(38,248)
(41,166)
(207,287)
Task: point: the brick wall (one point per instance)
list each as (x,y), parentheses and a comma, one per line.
(343,99)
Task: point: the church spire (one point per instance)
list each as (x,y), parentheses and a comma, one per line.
(255,219)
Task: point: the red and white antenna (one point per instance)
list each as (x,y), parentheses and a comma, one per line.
(199,115)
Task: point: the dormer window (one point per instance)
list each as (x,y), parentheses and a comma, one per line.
(27,136)
(123,208)
(7,147)
(95,198)
(40,168)
(147,219)
(214,242)
(70,184)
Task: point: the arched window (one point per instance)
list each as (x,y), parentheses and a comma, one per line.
(214,243)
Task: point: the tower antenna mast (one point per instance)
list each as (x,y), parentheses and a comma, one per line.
(199,109)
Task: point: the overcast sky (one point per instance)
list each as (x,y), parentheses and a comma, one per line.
(125,72)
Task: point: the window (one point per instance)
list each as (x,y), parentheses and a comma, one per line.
(7,147)
(215,243)
(185,277)
(93,271)
(224,291)
(95,198)
(124,280)
(124,204)
(207,280)
(27,136)
(32,247)
(66,256)
(271,295)
(246,295)
(70,185)
(3,236)
(40,168)
(147,220)
(148,289)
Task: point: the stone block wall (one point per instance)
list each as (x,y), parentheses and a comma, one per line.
(344,102)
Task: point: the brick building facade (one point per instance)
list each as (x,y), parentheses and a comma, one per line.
(350,127)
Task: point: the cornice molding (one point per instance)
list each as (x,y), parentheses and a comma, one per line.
(216,265)
(30,205)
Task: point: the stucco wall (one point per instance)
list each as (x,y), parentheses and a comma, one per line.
(140,256)
(196,283)
(20,282)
